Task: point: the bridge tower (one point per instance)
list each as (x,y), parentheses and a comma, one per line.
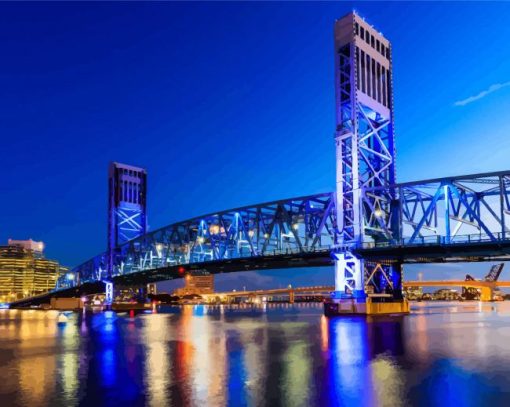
(127,210)
(365,156)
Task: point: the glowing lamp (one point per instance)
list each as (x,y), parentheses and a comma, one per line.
(378,213)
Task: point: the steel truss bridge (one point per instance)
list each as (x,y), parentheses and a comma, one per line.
(368,227)
(448,219)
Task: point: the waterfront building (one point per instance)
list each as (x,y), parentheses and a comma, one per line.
(24,271)
(446,294)
(197,282)
(413,293)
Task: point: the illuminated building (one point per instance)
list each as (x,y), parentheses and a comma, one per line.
(24,271)
(413,293)
(446,294)
(197,282)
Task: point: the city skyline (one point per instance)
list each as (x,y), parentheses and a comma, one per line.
(207,175)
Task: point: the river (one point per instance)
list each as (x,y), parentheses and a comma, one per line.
(274,355)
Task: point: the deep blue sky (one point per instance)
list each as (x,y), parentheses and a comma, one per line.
(225,104)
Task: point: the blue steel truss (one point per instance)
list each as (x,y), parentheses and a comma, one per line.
(299,225)
(365,151)
(446,211)
(450,210)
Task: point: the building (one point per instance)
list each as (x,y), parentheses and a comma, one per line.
(197,282)
(413,293)
(447,294)
(24,271)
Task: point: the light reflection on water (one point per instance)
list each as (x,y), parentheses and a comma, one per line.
(289,355)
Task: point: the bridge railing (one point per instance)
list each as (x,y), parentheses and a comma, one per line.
(435,240)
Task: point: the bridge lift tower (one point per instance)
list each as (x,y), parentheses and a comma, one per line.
(365,159)
(127,209)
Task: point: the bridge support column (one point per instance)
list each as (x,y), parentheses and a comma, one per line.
(348,276)
(291,296)
(381,292)
(108,297)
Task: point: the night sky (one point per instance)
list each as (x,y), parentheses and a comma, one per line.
(226,104)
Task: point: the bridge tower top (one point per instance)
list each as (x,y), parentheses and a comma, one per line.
(127,203)
(371,60)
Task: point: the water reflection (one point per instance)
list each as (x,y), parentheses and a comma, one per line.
(157,364)
(283,355)
(68,361)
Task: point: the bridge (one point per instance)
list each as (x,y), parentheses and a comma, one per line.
(289,291)
(487,288)
(368,228)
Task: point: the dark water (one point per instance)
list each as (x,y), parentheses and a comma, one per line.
(441,354)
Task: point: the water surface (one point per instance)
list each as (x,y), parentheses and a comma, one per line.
(282,355)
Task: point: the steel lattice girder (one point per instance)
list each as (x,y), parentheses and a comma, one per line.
(299,225)
(445,210)
(478,209)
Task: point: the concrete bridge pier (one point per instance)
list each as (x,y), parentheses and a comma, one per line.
(379,290)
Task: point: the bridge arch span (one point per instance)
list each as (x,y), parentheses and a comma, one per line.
(303,227)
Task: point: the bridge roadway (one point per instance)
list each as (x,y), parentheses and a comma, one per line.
(322,289)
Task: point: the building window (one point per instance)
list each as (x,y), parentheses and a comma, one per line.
(388,52)
(362,31)
(369,88)
(362,69)
(356,28)
(383,52)
(357,69)
(377,45)
(379,82)
(388,88)
(372,41)
(383,83)
(374,88)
